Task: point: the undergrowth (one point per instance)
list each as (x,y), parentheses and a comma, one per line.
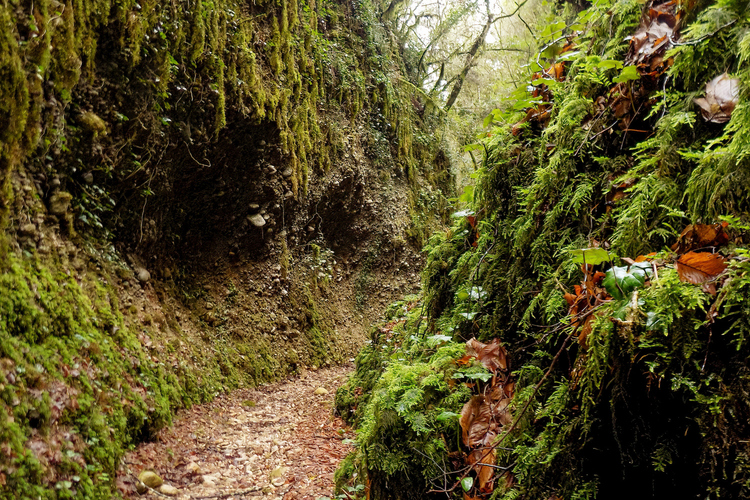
(648,396)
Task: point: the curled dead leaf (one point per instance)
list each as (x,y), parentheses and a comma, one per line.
(722,96)
(469,414)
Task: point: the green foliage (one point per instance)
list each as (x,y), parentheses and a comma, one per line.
(651,389)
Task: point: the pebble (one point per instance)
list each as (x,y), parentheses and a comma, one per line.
(143,275)
(169,490)
(320,391)
(287,172)
(257,220)
(150,479)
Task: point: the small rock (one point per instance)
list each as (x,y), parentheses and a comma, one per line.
(169,490)
(271,169)
(310,229)
(320,391)
(88,178)
(193,468)
(59,203)
(92,122)
(254,206)
(257,220)
(287,172)
(27,229)
(143,275)
(150,479)
(288,194)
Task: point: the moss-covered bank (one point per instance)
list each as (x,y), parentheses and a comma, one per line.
(643,392)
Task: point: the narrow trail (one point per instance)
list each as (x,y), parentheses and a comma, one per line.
(278,441)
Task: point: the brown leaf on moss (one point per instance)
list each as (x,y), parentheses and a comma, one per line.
(699,267)
(722,96)
(697,236)
(492,355)
(485,473)
(643,258)
(469,414)
(653,37)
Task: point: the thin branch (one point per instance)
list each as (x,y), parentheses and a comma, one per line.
(701,39)
(230,493)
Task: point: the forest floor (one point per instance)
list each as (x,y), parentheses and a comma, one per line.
(279,441)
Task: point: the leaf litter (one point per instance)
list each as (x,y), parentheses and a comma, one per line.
(484,415)
(278,441)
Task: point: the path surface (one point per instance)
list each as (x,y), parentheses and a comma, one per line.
(278,441)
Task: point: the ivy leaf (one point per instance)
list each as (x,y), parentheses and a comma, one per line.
(446,416)
(609,64)
(627,74)
(620,281)
(592,256)
(462,213)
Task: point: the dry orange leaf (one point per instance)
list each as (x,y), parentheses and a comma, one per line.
(644,258)
(699,267)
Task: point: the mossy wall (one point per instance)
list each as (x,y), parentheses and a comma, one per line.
(136,134)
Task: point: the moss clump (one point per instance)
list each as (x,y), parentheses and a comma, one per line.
(77,382)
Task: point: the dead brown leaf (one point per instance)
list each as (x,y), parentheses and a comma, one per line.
(722,96)
(492,355)
(697,236)
(699,267)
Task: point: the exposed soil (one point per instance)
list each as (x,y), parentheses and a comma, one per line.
(279,441)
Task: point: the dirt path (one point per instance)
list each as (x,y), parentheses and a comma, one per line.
(276,441)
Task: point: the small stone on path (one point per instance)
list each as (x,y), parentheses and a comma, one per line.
(168,489)
(150,479)
(257,220)
(321,391)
